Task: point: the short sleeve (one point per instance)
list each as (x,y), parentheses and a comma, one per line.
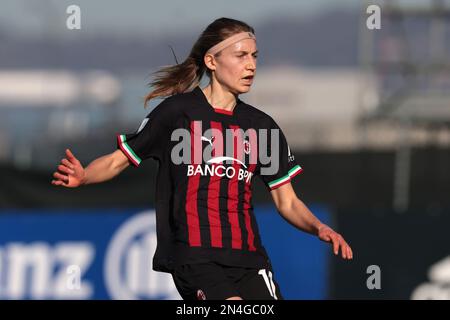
(150,140)
(287,167)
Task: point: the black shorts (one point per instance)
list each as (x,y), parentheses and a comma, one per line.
(213,281)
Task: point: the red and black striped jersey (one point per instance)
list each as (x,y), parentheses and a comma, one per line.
(207,159)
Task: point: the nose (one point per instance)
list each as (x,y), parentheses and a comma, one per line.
(251,64)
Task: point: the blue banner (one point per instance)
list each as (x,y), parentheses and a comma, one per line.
(300,261)
(107,254)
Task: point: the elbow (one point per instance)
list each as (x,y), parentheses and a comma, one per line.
(284,198)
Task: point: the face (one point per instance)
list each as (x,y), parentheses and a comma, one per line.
(235,66)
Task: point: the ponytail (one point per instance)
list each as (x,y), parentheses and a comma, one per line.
(175,79)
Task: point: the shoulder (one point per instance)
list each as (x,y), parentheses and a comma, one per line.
(171,107)
(180,99)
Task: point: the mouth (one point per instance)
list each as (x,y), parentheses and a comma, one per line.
(248,79)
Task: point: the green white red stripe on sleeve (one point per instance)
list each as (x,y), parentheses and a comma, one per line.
(126,149)
(285,179)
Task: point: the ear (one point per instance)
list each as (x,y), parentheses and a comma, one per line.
(210,61)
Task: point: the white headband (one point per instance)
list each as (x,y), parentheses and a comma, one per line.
(229,41)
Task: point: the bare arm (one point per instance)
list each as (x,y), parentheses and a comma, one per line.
(71,173)
(297,213)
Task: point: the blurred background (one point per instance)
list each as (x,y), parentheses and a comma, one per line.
(365,110)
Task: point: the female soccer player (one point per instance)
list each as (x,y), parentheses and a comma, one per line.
(209,145)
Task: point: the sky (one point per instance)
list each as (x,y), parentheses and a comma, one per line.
(37,17)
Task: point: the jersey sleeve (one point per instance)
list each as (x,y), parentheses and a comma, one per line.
(287,167)
(150,140)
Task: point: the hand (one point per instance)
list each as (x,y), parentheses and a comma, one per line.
(70,172)
(325,233)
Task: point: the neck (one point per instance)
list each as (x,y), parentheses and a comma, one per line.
(220,98)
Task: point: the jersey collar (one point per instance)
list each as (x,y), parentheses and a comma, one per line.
(198,91)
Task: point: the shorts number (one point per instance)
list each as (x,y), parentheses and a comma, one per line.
(269,282)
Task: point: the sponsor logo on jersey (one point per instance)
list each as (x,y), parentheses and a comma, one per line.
(205,154)
(247,147)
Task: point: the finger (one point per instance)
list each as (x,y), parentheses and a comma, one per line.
(343,252)
(335,245)
(349,255)
(64,169)
(70,156)
(348,251)
(60,176)
(343,249)
(58,183)
(351,252)
(67,163)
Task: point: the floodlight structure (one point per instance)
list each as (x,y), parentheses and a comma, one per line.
(409,58)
